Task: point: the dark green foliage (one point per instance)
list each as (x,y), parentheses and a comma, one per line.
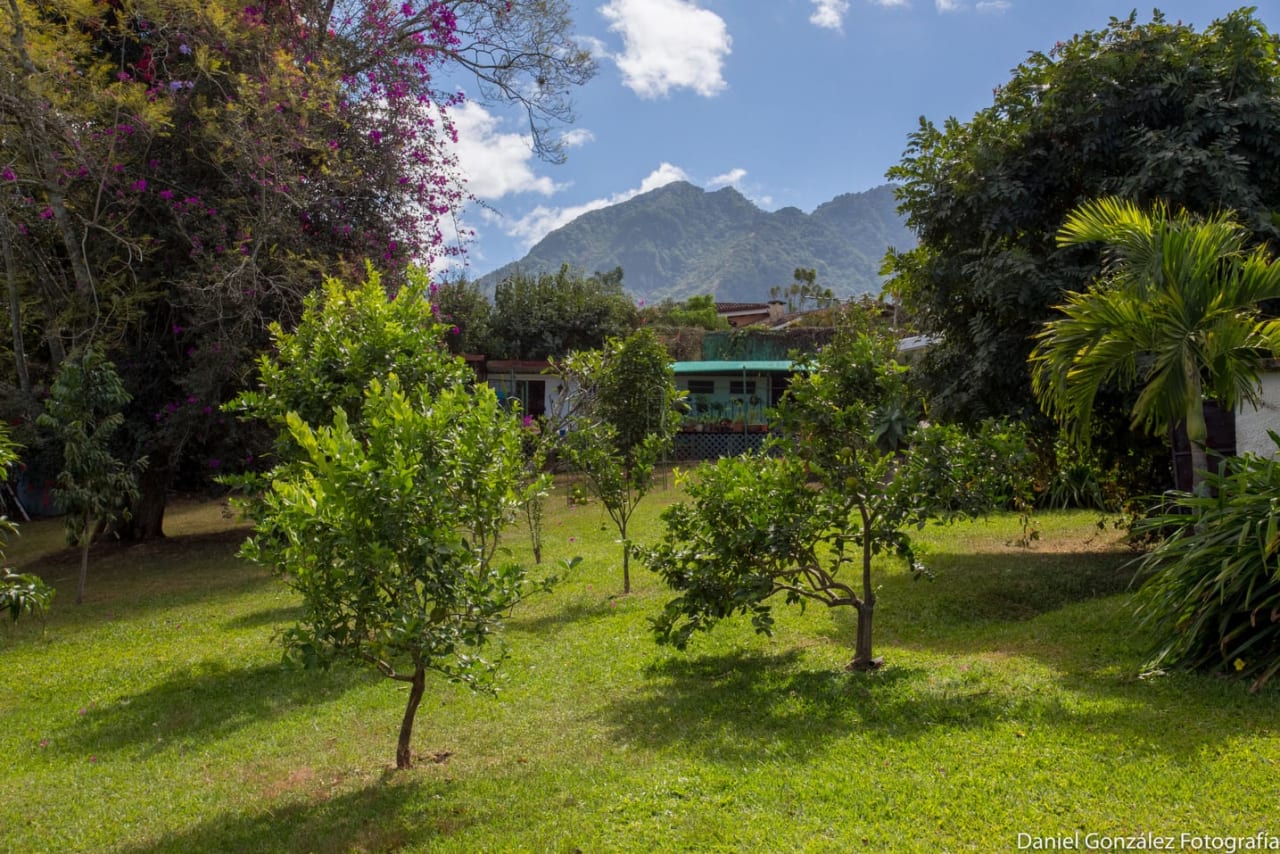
(464,310)
(20,593)
(83,413)
(549,315)
(1212,599)
(697,312)
(679,241)
(23,593)
(756,343)
(1137,110)
(1177,313)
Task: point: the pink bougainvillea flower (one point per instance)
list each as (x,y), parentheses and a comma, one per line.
(8,174)
(47,213)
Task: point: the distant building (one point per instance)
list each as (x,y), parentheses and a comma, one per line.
(749,313)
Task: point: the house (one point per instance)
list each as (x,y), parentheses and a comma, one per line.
(749,313)
(727,401)
(523,382)
(1244,431)
(1252,424)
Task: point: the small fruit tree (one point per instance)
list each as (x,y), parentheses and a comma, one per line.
(622,424)
(832,496)
(386,516)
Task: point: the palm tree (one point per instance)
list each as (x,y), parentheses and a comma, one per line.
(1175,310)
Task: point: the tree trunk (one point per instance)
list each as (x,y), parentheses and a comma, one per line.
(1197,435)
(146,516)
(15,310)
(404,758)
(86,540)
(626,561)
(862,659)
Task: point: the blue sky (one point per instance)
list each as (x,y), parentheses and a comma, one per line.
(791,101)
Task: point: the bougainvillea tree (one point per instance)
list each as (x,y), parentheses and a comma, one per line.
(175,175)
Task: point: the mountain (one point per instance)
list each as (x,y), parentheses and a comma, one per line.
(680,240)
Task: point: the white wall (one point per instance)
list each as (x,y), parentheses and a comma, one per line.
(1252,424)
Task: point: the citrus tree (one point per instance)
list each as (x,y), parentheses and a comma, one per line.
(388,500)
(623,424)
(808,519)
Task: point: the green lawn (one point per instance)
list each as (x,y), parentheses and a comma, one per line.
(157,717)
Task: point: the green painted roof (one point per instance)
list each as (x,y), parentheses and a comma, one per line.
(733,367)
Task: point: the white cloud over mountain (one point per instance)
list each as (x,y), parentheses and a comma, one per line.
(543,219)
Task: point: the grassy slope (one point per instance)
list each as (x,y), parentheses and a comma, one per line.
(156,717)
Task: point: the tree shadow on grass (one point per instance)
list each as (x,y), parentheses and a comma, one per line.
(283,614)
(207,701)
(1068,612)
(737,705)
(133,579)
(573,611)
(384,816)
(1003,587)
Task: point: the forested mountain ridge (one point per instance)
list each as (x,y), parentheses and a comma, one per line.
(680,240)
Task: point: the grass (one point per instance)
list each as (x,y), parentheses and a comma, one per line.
(157,717)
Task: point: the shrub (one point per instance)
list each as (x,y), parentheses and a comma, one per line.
(1213,596)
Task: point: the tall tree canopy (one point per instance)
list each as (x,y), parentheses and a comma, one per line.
(552,314)
(1176,312)
(174,175)
(1143,111)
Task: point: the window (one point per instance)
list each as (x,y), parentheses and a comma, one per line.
(531,395)
(742,386)
(702,386)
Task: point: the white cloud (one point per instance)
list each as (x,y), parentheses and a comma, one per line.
(497,164)
(543,220)
(994,7)
(729,179)
(829,14)
(665,174)
(577,137)
(594,46)
(890,3)
(948,5)
(669,44)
